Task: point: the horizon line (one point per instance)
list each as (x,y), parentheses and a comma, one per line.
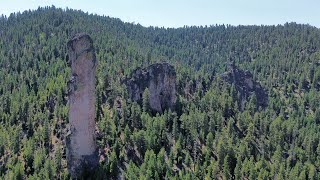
(155,26)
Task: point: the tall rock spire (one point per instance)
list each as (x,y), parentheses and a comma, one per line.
(81,144)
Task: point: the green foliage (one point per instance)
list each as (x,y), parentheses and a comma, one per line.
(145,99)
(212,134)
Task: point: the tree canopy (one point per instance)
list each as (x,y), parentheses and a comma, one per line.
(207,136)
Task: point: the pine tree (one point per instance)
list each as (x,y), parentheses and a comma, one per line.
(145,100)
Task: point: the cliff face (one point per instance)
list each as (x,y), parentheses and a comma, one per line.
(81,145)
(160,79)
(245,85)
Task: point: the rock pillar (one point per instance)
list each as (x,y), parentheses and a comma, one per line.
(81,143)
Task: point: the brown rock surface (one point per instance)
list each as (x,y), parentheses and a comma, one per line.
(81,145)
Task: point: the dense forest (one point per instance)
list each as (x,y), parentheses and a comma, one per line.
(207,135)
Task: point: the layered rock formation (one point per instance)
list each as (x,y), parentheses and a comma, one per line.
(245,85)
(160,79)
(81,145)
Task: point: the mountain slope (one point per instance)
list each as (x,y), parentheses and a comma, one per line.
(207,136)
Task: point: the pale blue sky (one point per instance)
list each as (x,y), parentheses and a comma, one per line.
(176,13)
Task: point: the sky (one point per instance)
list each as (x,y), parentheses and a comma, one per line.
(177,13)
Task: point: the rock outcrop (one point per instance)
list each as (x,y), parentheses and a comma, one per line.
(245,85)
(81,145)
(160,79)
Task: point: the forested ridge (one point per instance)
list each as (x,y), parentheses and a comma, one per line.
(211,134)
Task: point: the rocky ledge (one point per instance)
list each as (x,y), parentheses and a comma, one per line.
(160,79)
(245,85)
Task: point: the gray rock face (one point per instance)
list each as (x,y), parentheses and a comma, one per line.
(245,85)
(160,79)
(81,145)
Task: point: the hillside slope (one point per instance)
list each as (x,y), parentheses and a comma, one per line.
(206,136)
